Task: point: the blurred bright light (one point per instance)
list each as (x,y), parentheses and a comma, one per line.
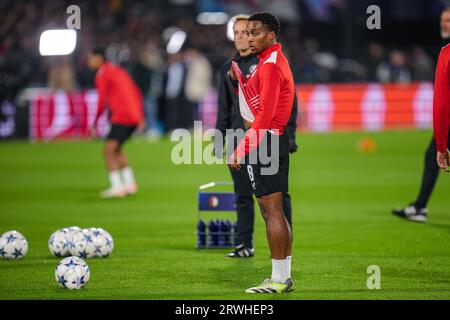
(212,18)
(57,42)
(168,32)
(230,31)
(176,41)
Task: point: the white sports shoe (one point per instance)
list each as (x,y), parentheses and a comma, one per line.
(113,193)
(269,286)
(131,189)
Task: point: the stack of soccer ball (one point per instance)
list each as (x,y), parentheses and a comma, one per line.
(72,242)
(76,243)
(82,243)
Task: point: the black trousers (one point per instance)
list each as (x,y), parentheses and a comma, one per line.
(246,209)
(430,174)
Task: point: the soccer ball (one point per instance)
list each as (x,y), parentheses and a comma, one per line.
(13,245)
(103,242)
(58,243)
(109,236)
(72,273)
(69,232)
(82,244)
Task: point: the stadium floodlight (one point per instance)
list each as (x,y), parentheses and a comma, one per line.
(176,41)
(57,42)
(212,18)
(230,31)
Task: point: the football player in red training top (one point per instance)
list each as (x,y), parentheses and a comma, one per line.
(441,108)
(417,210)
(265,102)
(119,92)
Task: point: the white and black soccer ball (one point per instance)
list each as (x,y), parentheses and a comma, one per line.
(58,243)
(82,244)
(109,236)
(69,232)
(72,273)
(103,242)
(13,245)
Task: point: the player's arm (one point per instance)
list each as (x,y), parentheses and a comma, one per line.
(270,80)
(233,76)
(441,109)
(101,86)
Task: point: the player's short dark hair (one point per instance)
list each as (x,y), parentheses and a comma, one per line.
(270,21)
(101,51)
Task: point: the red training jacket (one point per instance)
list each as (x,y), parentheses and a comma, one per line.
(441,102)
(265,98)
(116,88)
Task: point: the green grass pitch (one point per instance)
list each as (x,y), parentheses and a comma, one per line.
(341,211)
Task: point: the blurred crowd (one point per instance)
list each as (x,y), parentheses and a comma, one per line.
(376,64)
(136,35)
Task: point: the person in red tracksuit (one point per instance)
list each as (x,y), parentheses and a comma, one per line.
(441,108)
(119,92)
(265,102)
(417,210)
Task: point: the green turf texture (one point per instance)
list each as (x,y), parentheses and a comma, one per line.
(342,203)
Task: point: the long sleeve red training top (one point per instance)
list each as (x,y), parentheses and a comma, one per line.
(265,98)
(441,101)
(116,88)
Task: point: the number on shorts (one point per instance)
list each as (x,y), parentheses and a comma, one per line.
(250,172)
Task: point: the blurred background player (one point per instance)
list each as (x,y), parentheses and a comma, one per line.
(229,117)
(417,210)
(266,106)
(116,89)
(441,109)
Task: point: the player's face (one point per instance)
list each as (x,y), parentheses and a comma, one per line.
(240,35)
(259,37)
(445,24)
(95,61)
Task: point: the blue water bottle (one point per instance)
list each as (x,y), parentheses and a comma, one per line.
(201,234)
(228,227)
(217,237)
(235,228)
(222,233)
(211,233)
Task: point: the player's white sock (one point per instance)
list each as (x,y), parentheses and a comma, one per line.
(128,176)
(289,258)
(279,270)
(114,178)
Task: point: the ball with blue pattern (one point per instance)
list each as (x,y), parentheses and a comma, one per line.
(72,273)
(13,245)
(82,244)
(103,242)
(60,241)
(70,231)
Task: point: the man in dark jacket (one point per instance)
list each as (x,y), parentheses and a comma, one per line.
(229,117)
